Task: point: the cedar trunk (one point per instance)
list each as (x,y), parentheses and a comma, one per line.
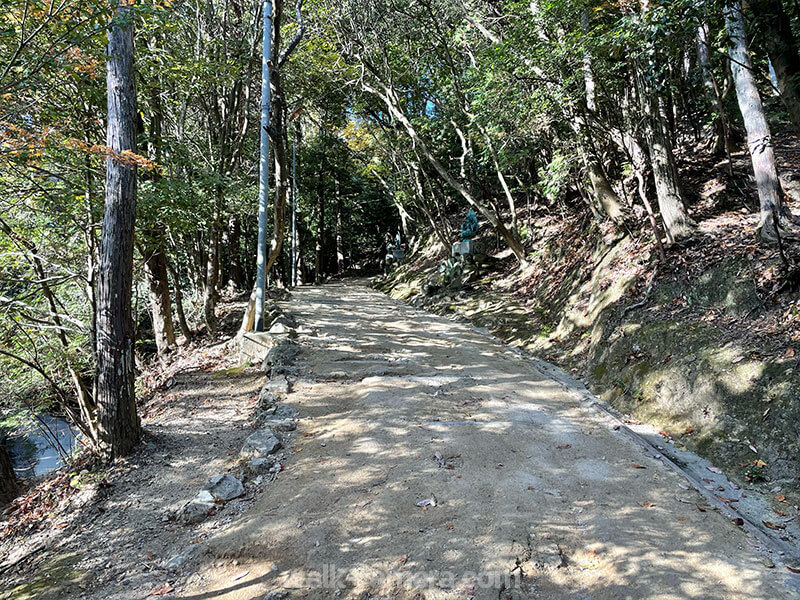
(677,223)
(759,139)
(155,268)
(119,426)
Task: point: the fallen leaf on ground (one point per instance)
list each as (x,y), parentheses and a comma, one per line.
(726,500)
(780,498)
(714,469)
(775,526)
(239,576)
(166,589)
(635,466)
(564,446)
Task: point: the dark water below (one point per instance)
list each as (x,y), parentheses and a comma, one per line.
(40,446)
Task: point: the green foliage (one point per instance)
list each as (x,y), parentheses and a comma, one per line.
(554,178)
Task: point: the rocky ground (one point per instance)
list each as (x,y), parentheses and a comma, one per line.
(428,461)
(126,532)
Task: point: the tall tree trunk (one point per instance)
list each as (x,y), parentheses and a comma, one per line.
(210,293)
(119,426)
(721,123)
(8,479)
(176,283)
(339,242)
(320,242)
(677,223)
(278,139)
(781,46)
(759,139)
(155,269)
(235,254)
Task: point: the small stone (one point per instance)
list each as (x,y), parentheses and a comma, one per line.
(768,562)
(260,444)
(198,508)
(177,562)
(284,411)
(260,465)
(278,424)
(283,354)
(277,384)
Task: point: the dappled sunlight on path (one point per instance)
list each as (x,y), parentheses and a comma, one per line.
(432,462)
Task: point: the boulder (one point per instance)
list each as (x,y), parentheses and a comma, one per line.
(177,562)
(266,399)
(260,444)
(285,321)
(224,487)
(284,370)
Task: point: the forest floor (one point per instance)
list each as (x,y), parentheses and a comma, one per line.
(429,461)
(108,533)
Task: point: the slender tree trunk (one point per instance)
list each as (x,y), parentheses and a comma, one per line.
(721,124)
(119,426)
(759,139)
(339,242)
(665,173)
(176,283)
(210,293)
(8,479)
(235,254)
(155,269)
(781,45)
(320,244)
(423,205)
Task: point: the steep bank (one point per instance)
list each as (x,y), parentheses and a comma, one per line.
(699,346)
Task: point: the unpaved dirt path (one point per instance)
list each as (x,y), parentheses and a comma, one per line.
(536,496)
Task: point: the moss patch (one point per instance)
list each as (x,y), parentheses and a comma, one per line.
(55,579)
